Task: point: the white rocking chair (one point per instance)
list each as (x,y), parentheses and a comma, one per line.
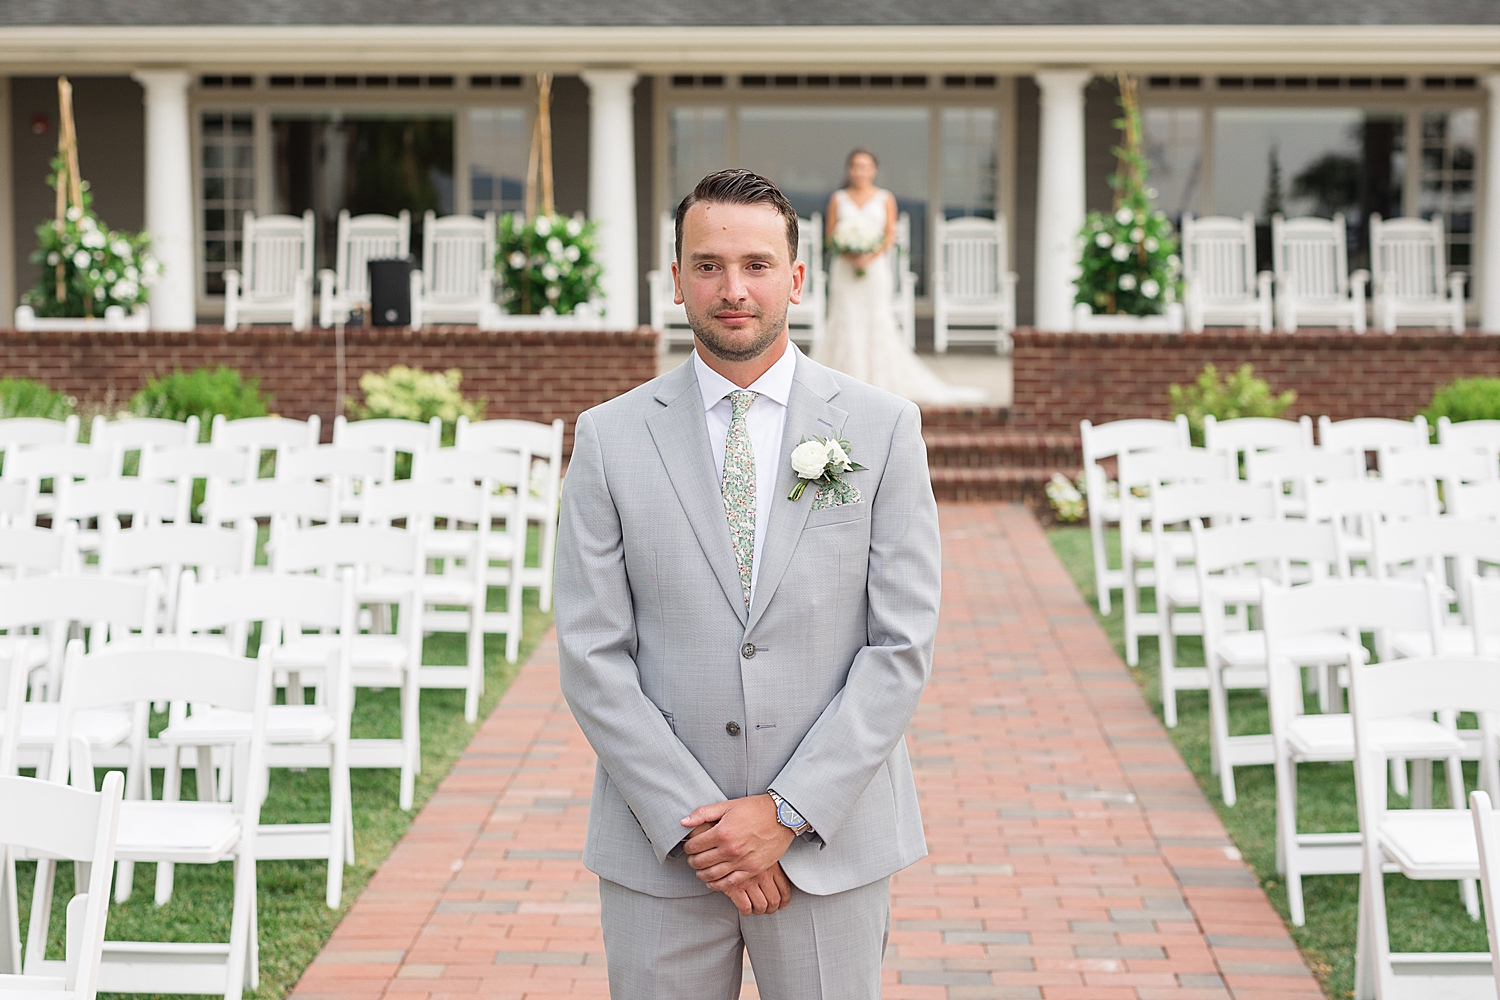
(1218,261)
(973,292)
(806,318)
(1409,260)
(904,299)
(361,239)
(277,282)
(1313,283)
(457,280)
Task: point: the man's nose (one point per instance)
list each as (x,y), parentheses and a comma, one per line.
(735,289)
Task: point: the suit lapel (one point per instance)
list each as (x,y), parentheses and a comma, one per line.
(681,435)
(808,415)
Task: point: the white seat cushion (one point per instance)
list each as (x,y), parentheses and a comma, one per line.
(221,726)
(191,832)
(1331,737)
(1431,843)
(1248,649)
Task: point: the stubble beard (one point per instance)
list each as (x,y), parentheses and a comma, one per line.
(711,335)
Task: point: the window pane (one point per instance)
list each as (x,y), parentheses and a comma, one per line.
(969,162)
(499,143)
(803,149)
(697,148)
(1449,139)
(1174,145)
(227,192)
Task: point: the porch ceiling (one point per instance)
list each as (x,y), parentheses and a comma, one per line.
(1015,48)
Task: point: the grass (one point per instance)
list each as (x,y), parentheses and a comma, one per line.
(294,921)
(1424,916)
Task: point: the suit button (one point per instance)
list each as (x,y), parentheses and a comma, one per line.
(732,728)
(748,650)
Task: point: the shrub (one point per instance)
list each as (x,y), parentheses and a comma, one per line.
(24,397)
(1465,399)
(547,265)
(406,393)
(1240,395)
(204,393)
(1067,497)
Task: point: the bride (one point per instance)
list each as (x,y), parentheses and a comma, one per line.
(861,338)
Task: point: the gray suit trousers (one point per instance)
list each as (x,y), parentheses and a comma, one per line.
(691,947)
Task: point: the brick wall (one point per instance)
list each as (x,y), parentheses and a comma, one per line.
(1061,378)
(531,376)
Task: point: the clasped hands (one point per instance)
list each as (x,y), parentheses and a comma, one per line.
(736,848)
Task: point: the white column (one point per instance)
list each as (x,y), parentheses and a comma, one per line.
(1488,271)
(612,188)
(169,196)
(1060,198)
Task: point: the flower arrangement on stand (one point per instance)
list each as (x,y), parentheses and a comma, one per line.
(1129,271)
(89,271)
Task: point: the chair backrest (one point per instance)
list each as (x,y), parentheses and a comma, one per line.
(1473,501)
(53,820)
(193,461)
(1378,434)
(423,500)
(283,604)
(1297,465)
(108,499)
(331,463)
(1481,600)
(268,498)
(171,548)
(1218,256)
(1222,500)
(1272,547)
(131,433)
(1314,254)
(1256,433)
(1379,497)
(1406,256)
(971,256)
(1487,836)
(31,551)
(25,432)
(388,435)
(1449,466)
(901,260)
(1426,543)
(278,252)
(543,441)
(457,251)
(1169,465)
(490,468)
(1474,435)
(1107,440)
(363,238)
(109,607)
(810,246)
(61,461)
(331,547)
(265,432)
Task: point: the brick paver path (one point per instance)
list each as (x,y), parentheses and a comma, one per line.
(1073,855)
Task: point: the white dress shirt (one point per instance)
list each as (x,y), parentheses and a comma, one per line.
(765,421)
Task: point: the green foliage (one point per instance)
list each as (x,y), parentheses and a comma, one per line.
(101,267)
(24,397)
(1465,399)
(203,392)
(1129,262)
(547,266)
(404,393)
(1240,395)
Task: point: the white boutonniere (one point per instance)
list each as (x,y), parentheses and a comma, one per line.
(822,461)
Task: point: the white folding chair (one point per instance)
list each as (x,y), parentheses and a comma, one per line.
(257,435)
(973,288)
(389,437)
(1100,443)
(360,239)
(1218,264)
(1420,843)
(1413,285)
(1177,586)
(142,433)
(47,820)
(185,465)
(544,443)
(1147,471)
(28,432)
(204,832)
(298,735)
(209,551)
(349,472)
(376,660)
(1233,438)
(274,501)
(1487,840)
(61,464)
(1230,561)
(277,283)
(1349,607)
(457,281)
(1440,468)
(1471,435)
(107,501)
(1354,505)
(1362,435)
(1313,282)
(1449,548)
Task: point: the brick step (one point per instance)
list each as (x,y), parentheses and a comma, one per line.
(1017,484)
(964,418)
(1008,448)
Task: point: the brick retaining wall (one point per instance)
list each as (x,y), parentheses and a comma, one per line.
(1061,378)
(528,375)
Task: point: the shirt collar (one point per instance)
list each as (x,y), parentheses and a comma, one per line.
(776,383)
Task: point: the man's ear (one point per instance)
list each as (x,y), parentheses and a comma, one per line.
(677,285)
(799,276)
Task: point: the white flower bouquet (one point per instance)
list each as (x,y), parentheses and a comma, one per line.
(855,235)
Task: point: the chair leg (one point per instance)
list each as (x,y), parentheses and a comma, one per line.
(1400,784)
(1166,641)
(240,925)
(513,614)
(171,791)
(475,662)
(1130,598)
(41,911)
(10,948)
(411,740)
(1101,562)
(549,543)
(338,819)
(1366,949)
(1286,835)
(1218,724)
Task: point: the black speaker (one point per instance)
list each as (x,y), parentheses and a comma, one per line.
(390,292)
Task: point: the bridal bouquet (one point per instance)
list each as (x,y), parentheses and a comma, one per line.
(856,234)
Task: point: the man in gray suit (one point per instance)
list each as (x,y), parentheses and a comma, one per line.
(743,654)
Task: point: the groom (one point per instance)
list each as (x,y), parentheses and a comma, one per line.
(745,663)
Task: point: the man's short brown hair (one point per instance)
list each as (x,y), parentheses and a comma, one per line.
(741,187)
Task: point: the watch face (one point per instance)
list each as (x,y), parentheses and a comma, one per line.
(788,816)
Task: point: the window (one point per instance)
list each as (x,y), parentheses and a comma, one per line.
(969,162)
(1173,140)
(697,147)
(228,178)
(499,142)
(1449,139)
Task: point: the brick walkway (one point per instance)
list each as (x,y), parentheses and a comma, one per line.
(1073,855)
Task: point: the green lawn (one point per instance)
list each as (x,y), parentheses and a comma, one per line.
(1424,916)
(294,921)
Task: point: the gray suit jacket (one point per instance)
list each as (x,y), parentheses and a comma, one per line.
(653,633)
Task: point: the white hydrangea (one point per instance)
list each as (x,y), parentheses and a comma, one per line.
(82,259)
(54,258)
(1104,240)
(1150,288)
(575,226)
(121,249)
(93,239)
(1124,216)
(572,253)
(550,272)
(1137,234)
(555,246)
(1127,282)
(543,226)
(517,260)
(1120,252)
(75,213)
(1151,244)
(553,292)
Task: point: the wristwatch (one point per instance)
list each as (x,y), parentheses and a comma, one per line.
(787,816)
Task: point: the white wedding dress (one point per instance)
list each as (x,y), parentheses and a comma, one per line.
(861,338)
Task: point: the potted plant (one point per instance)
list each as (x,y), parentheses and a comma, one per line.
(93,277)
(1129,271)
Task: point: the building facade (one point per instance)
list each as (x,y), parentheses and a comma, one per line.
(191,113)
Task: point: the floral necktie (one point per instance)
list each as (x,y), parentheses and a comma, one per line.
(738,487)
